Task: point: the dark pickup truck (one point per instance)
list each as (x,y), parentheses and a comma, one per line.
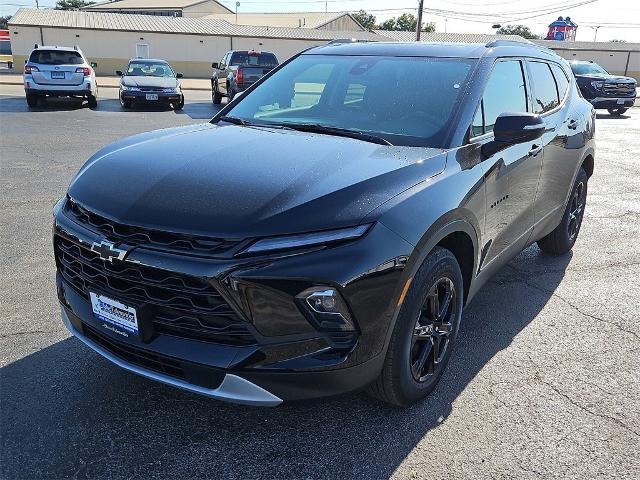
(238,70)
(602,89)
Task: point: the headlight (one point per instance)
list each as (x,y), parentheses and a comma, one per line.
(307,239)
(131,89)
(597,84)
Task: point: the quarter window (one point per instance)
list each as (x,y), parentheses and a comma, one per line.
(561,80)
(544,86)
(505,92)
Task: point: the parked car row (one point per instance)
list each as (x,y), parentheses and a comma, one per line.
(54,71)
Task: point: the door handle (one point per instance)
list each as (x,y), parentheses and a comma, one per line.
(535,150)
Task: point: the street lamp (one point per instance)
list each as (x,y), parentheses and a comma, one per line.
(237,5)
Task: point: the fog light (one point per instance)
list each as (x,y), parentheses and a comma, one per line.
(326,309)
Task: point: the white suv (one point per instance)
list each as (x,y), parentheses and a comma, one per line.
(59,72)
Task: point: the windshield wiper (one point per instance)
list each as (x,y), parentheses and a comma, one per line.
(234,120)
(337,131)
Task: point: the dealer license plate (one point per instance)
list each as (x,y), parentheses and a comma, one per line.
(152,96)
(115,316)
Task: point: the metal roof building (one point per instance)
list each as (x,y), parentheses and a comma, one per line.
(167,8)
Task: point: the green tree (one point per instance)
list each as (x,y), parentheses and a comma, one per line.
(618,40)
(72,4)
(407,23)
(4,22)
(365,19)
(521,30)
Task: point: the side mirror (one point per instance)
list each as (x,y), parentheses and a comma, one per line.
(214,65)
(179,75)
(94,65)
(119,73)
(513,128)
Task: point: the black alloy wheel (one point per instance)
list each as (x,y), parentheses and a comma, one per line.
(431,332)
(576,210)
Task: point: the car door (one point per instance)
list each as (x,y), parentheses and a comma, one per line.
(511,175)
(561,139)
(221,75)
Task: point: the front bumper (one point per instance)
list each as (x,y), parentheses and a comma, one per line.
(612,102)
(289,358)
(141,97)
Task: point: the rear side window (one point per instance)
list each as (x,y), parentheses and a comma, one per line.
(505,92)
(254,58)
(544,87)
(56,57)
(561,80)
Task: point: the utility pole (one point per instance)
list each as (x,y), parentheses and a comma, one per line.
(237,5)
(37,4)
(419,20)
(596,32)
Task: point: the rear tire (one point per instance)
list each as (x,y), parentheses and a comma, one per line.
(230,94)
(424,333)
(92,101)
(32,100)
(616,112)
(562,239)
(216,98)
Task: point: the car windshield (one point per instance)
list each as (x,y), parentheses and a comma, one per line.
(254,58)
(149,69)
(56,57)
(588,69)
(403,100)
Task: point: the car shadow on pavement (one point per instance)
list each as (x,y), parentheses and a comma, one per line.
(67,412)
(608,116)
(200,110)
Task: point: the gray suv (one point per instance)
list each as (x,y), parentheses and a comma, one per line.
(59,72)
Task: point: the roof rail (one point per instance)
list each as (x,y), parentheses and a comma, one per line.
(506,43)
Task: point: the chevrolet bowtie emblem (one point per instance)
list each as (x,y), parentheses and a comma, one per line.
(108,251)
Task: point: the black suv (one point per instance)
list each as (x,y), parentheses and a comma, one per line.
(324,231)
(603,90)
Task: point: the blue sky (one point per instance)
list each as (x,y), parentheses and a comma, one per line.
(618,20)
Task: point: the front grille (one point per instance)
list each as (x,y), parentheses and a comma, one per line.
(149,238)
(189,372)
(182,305)
(151,89)
(616,89)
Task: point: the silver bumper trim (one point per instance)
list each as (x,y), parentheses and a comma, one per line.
(612,99)
(233,389)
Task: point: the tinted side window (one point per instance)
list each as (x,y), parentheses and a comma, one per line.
(561,80)
(505,92)
(544,87)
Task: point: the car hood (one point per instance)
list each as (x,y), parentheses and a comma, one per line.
(144,81)
(606,77)
(237,181)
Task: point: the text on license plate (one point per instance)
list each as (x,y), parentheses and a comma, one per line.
(116,316)
(57,74)
(620,101)
(152,96)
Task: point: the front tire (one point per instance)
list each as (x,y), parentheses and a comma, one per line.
(562,239)
(180,104)
(216,98)
(616,112)
(425,332)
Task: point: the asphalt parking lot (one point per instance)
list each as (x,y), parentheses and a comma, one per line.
(544,382)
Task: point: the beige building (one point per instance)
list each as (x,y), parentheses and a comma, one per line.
(188,44)
(164,8)
(619,58)
(191,44)
(338,21)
